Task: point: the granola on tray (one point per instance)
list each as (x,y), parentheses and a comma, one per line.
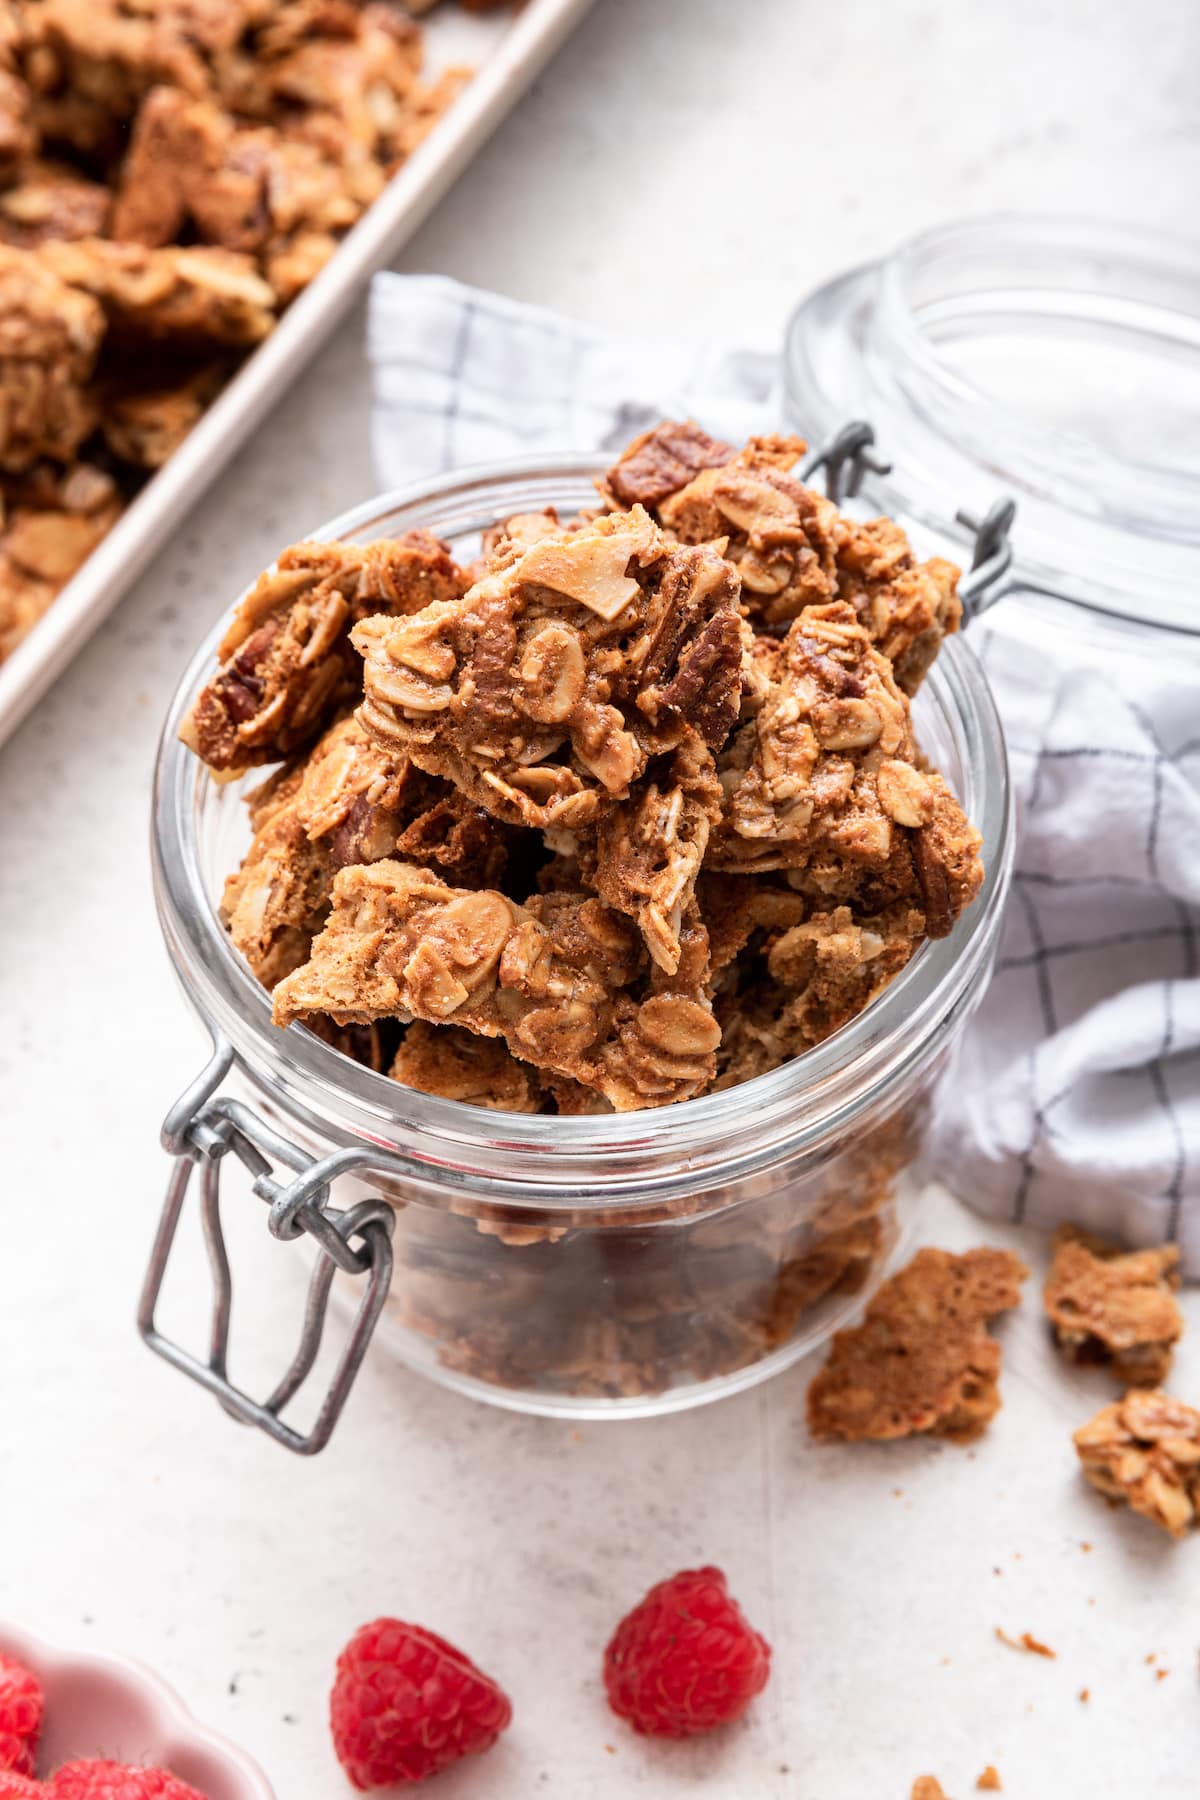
(171,176)
(579,829)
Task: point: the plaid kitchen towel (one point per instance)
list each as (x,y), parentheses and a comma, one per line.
(1077,1094)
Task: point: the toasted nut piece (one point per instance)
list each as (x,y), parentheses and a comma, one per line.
(553,673)
(904,794)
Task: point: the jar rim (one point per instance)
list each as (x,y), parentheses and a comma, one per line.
(945,345)
(589,1160)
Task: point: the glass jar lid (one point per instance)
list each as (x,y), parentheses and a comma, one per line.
(1056,360)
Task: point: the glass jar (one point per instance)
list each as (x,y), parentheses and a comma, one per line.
(617,1265)
(1056,360)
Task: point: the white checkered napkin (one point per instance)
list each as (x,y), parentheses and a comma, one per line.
(1078,1092)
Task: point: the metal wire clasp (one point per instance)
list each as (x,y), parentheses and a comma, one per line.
(200,1131)
(850,453)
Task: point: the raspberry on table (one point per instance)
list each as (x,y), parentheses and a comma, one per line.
(21,1705)
(406,1704)
(92,1779)
(686,1659)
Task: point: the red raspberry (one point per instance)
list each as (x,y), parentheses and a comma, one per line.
(406,1703)
(89,1779)
(21,1705)
(16,1756)
(686,1659)
(20,1787)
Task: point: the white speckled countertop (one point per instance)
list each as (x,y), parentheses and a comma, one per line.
(751,163)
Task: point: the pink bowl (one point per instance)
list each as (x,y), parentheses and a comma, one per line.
(107,1706)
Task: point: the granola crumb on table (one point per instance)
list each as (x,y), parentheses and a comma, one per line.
(1106,1305)
(927,1787)
(922,1360)
(171,177)
(1144,1451)
(581,828)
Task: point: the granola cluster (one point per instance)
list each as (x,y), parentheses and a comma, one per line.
(1144,1451)
(171,176)
(1113,1307)
(922,1360)
(581,828)
(587,799)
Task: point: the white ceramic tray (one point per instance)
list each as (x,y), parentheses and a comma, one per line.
(507,51)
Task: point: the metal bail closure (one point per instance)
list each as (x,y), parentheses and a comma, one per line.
(846,457)
(991,558)
(200,1131)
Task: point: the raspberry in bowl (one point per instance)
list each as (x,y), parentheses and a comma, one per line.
(108,1729)
(599,869)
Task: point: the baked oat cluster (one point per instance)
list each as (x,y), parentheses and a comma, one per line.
(1114,1307)
(636,798)
(171,175)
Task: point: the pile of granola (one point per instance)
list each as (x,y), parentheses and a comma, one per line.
(171,175)
(627,811)
(637,798)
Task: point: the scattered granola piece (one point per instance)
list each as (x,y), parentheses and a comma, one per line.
(286,662)
(925,1787)
(989,1782)
(1110,1306)
(1026,1642)
(546,689)
(922,1360)
(1144,1450)
(1085,1695)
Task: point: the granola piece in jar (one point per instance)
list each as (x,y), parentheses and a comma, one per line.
(1118,1307)
(544,692)
(344,804)
(457,1065)
(48,200)
(649,848)
(660,462)
(50,336)
(198,295)
(793,548)
(822,780)
(50,523)
(807,981)
(922,1360)
(19,139)
(365,1044)
(907,607)
(1144,1451)
(286,662)
(551,978)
